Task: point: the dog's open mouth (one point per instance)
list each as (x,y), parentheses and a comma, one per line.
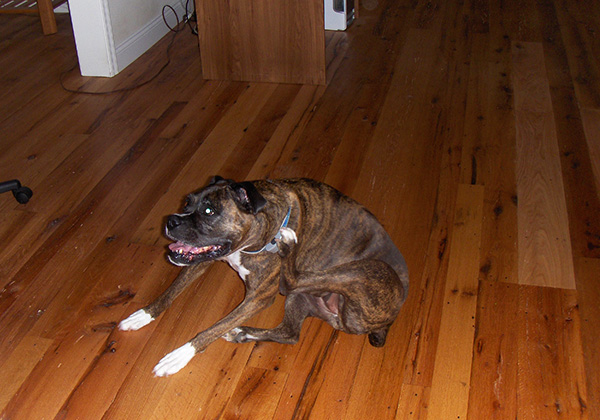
(184,254)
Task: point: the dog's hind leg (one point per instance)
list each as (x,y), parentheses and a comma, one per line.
(149,313)
(297,308)
(359,297)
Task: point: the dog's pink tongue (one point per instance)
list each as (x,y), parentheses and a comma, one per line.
(179,246)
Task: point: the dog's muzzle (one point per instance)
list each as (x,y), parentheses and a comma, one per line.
(182,252)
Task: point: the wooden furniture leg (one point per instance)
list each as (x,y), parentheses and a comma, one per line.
(47,17)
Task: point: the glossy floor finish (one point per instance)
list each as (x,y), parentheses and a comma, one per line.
(470,129)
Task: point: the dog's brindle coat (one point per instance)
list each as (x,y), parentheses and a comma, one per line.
(333,260)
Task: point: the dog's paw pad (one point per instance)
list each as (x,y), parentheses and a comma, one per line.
(136,320)
(175,361)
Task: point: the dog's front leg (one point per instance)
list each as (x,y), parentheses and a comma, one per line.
(254,302)
(149,313)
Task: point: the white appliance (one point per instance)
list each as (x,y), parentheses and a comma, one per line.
(339,14)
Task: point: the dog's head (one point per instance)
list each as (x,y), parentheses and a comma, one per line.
(214,221)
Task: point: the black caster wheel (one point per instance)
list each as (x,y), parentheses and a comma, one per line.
(22,194)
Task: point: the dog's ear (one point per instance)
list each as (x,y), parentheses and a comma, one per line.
(247,197)
(217,179)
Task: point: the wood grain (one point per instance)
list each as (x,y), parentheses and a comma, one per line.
(576,23)
(494,369)
(551,378)
(431,108)
(489,154)
(544,242)
(302,390)
(413,403)
(17,368)
(263,41)
(408,116)
(577,164)
(252,394)
(588,297)
(86,339)
(209,157)
(591,124)
(452,372)
(47,18)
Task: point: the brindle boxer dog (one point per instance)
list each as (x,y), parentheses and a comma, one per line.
(326,253)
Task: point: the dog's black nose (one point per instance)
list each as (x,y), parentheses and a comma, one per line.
(173,221)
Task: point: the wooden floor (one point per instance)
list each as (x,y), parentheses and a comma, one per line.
(471,129)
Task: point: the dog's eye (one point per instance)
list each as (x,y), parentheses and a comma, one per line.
(209,211)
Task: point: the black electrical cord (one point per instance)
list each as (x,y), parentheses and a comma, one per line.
(191,17)
(175,31)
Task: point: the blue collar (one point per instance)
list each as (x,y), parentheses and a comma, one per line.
(272,245)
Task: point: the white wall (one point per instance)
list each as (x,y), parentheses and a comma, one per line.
(111,34)
(130,16)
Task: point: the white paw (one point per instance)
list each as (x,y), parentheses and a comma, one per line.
(288,235)
(135,321)
(175,361)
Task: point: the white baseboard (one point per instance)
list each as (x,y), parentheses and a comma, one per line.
(141,41)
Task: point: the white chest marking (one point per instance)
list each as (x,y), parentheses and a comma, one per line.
(235,261)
